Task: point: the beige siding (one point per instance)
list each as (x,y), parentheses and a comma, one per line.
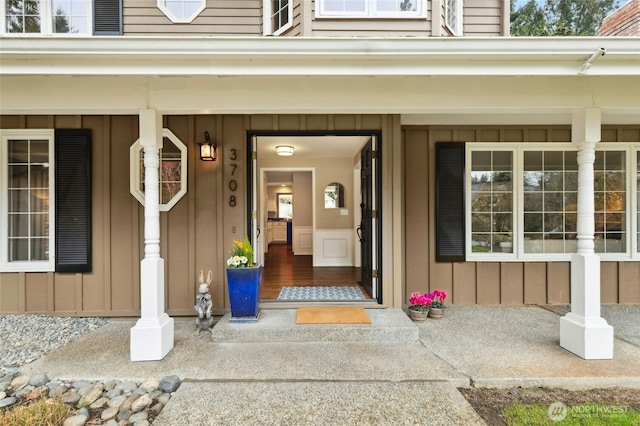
(220,17)
(482,18)
(509,283)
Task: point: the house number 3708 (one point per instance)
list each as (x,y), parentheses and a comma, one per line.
(233,184)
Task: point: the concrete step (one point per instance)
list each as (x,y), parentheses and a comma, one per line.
(279,325)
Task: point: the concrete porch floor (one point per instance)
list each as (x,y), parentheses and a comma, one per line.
(391,372)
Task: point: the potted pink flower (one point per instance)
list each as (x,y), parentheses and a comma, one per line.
(436,309)
(419,306)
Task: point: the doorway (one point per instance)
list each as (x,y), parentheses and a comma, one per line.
(333,235)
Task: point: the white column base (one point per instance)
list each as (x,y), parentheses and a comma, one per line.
(583,331)
(591,339)
(151,338)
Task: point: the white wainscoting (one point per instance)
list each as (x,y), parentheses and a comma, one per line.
(302,240)
(333,247)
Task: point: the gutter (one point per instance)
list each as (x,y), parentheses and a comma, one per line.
(129,55)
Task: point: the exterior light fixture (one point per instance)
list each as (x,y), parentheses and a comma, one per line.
(284,150)
(208,150)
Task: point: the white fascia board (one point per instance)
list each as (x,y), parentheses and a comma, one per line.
(223,56)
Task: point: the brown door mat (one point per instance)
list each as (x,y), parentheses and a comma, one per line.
(332,315)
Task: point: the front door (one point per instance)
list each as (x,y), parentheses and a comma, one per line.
(368,225)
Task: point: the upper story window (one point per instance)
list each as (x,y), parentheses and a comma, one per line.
(181,11)
(370,8)
(46,17)
(171,173)
(280,16)
(453,16)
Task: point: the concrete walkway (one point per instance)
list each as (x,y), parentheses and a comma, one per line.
(266,373)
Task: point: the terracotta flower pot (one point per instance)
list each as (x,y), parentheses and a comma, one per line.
(417,315)
(436,313)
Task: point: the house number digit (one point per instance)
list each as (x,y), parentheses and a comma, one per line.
(233,184)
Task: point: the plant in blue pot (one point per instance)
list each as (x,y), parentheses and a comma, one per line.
(243,281)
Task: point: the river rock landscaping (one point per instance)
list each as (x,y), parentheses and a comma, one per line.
(112,402)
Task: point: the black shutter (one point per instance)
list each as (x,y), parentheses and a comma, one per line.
(73,200)
(450,175)
(107,17)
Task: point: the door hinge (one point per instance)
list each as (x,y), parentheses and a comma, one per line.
(254,155)
(374,214)
(374,273)
(254,214)
(374,155)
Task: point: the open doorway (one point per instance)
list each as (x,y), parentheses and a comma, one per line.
(314,219)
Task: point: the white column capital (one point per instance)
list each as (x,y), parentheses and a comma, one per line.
(150,122)
(586,125)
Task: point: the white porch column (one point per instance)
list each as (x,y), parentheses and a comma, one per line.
(583,331)
(152,336)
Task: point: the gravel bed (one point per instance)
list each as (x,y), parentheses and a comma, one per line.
(25,338)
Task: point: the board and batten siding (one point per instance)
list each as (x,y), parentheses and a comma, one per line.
(220,17)
(189,234)
(196,233)
(507,283)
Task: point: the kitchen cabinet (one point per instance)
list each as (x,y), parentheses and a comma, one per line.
(279,232)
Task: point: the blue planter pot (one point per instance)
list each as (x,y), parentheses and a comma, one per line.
(244,293)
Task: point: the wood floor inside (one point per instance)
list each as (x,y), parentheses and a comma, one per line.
(282,268)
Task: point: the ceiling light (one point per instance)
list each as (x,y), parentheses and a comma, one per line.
(284,150)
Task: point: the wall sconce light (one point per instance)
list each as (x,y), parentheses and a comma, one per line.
(208,150)
(284,150)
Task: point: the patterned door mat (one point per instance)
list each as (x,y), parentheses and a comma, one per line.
(321,293)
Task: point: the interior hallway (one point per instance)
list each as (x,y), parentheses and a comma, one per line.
(282,268)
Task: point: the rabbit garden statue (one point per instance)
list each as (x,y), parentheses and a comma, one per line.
(203,304)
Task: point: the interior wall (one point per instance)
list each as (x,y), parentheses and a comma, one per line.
(327,170)
(302,202)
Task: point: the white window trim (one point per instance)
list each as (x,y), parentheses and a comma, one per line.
(518,149)
(135,156)
(175,19)
(458,13)
(371,13)
(268,15)
(36,265)
(46,18)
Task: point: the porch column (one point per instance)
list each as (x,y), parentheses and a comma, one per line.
(152,336)
(583,331)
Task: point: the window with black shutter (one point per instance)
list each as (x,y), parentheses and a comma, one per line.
(107,17)
(73,200)
(450,217)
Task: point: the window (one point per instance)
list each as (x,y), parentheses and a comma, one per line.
(453,16)
(181,11)
(172,180)
(46,17)
(285,206)
(370,8)
(492,202)
(27,200)
(524,201)
(281,16)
